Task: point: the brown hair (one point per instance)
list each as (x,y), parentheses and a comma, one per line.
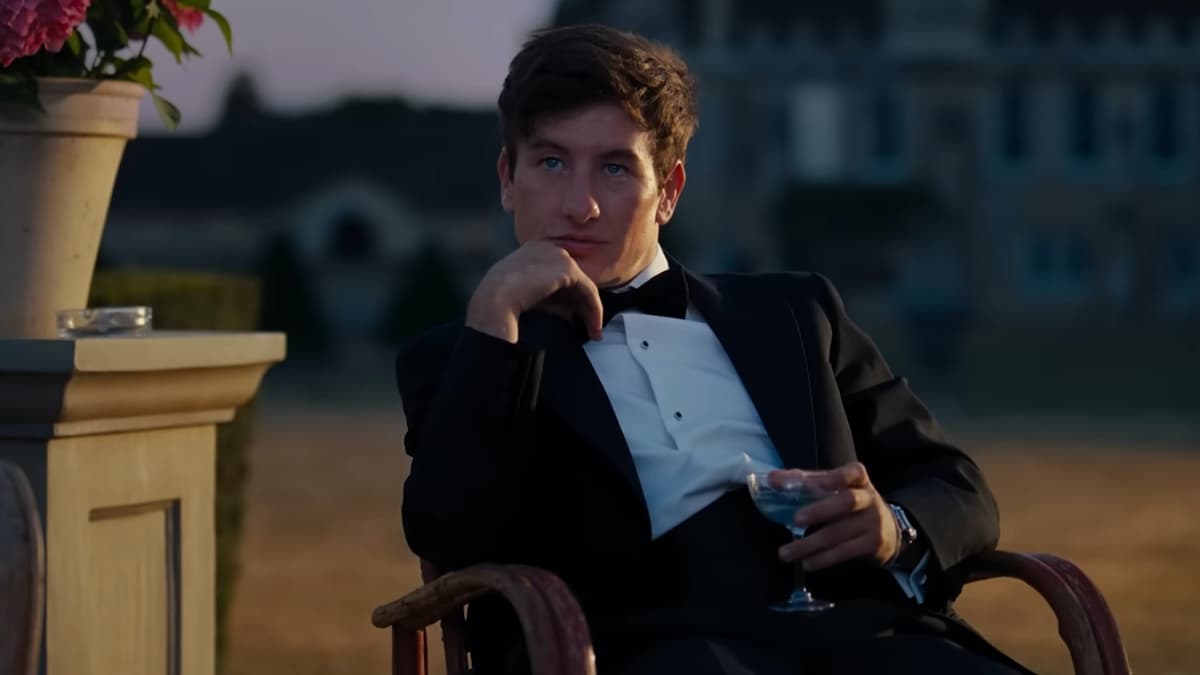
(560,69)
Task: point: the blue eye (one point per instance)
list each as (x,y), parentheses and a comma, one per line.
(614,169)
(552,163)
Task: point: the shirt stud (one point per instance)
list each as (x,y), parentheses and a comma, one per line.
(678,415)
(645,344)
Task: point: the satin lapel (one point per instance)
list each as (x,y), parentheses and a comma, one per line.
(758,329)
(571,390)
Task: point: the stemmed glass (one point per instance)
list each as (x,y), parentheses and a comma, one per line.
(779,505)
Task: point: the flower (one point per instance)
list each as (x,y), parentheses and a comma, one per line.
(28,26)
(188,17)
(96,39)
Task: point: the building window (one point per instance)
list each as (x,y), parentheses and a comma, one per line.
(1164,123)
(815,132)
(1180,265)
(1084,122)
(886,124)
(351,239)
(1182,262)
(1014,123)
(1059,266)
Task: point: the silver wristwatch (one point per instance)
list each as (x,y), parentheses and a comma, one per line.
(908,533)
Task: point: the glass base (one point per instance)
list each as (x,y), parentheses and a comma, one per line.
(801,602)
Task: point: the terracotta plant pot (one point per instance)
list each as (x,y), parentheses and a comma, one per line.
(57,171)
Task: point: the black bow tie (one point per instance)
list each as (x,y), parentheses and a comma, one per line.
(663,295)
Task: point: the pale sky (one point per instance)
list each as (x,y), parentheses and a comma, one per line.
(309,53)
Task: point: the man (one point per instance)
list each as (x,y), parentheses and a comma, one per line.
(599,409)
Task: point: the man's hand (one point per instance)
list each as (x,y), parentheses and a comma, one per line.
(853,523)
(536,275)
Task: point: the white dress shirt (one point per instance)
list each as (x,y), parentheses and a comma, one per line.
(690,424)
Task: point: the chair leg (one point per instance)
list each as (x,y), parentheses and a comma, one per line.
(408,652)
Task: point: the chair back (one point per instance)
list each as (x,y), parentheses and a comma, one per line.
(22,574)
(454,626)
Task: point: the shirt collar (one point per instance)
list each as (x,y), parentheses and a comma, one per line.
(657,266)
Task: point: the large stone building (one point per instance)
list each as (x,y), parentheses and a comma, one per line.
(1061,140)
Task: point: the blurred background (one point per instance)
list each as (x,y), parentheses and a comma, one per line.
(1005,191)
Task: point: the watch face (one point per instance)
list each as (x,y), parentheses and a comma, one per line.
(906,528)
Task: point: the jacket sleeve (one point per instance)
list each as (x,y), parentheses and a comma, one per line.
(470,419)
(907,457)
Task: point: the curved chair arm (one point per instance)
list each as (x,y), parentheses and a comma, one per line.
(22,573)
(555,629)
(1085,621)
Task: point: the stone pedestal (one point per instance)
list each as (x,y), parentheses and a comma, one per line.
(118,438)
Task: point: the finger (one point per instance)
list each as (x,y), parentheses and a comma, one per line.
(824,539)
(860,547)
(835,507)
(852,475)
(591,309)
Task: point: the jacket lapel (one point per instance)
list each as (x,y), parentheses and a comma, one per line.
(571,390)
(758,330)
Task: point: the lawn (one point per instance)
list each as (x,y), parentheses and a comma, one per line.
(324,543)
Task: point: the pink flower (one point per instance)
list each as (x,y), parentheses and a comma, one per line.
(188,17)
(26,26)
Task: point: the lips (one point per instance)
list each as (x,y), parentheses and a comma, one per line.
(576,247)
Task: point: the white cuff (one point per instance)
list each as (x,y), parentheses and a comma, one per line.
(912,582)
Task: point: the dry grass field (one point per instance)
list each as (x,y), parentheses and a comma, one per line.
(324,545)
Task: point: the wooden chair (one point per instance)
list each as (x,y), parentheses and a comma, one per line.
(22,574)
(559,643)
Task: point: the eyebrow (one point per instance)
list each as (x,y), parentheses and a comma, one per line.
(627,156)
(546,144)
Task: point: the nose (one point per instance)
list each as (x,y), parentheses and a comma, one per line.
(579,204)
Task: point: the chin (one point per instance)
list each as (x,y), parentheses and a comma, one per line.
(600,274)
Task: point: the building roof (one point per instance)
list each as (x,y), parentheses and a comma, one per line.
(868,17)
(435,159)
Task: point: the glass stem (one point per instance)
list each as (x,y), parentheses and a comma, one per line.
(798,573)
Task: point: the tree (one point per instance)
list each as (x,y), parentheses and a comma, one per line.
(425,293)
(289,303)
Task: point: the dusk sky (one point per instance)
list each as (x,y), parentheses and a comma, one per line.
(309,54)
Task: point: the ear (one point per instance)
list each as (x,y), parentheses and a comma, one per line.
(671,190)
(504,171)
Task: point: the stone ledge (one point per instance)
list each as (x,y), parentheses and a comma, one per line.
(56,388)
(158,350)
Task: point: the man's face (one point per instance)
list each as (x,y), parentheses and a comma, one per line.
(585,181)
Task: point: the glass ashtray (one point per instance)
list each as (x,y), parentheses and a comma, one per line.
(74,323)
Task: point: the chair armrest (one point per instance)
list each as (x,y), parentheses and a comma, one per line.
(554,626)
(1085,621)
(22,573)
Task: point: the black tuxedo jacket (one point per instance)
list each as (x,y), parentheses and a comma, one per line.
(517,455)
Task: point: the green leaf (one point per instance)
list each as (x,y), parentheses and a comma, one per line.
(190,50)
(167,112)
(75,44)
(141,25)
(18,85)
(138,69)
(194,4)
(223,24)
(167,32)
(110,35)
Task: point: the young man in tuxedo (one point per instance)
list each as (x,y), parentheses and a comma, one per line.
(599,408)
